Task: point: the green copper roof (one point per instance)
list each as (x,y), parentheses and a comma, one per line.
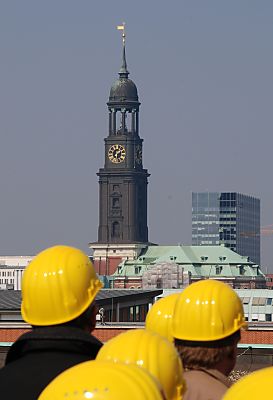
(199,260)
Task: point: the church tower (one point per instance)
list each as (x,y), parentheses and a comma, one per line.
(123,180)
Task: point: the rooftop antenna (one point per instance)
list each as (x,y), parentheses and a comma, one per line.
(123,73)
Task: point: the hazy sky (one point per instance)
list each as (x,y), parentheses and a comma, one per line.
(204,72)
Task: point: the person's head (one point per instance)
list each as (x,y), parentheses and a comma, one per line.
(208,317)
(150,351)
(159,317)
(59,286)
(220,355)
(257,385)
(103,381)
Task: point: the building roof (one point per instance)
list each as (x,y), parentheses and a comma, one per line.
(198,260)
(123,90)
(12,267)
(11,299)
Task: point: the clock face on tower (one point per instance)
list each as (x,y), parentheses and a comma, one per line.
(116,153)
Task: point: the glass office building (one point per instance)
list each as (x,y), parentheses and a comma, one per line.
(227,218)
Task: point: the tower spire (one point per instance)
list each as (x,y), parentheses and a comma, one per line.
(123,72)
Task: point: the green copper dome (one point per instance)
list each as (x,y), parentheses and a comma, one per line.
(123,89)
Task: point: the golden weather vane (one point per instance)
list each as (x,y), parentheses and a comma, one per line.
(122,28)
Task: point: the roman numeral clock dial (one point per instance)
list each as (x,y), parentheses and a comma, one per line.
(116,153)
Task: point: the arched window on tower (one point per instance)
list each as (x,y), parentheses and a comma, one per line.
(115,202)
(122,115)
(116,189)
(115,229)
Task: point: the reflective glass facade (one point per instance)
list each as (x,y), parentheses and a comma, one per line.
(229,218)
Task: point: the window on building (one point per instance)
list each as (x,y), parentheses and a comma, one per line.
(262,301)
(218,269)
(255,301)
(143,312)
(123,314)
(137,270)
(115,202)
(269,301)
(131,314)
(258,301)
(137,316)
(241,270)
(268,317)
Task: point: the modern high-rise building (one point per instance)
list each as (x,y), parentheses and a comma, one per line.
(228,218)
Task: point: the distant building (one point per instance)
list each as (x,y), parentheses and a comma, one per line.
(127,309)
(123,180)
(11,277)
(170,267)
(11,271)
(257,304)
(269,281)
(15,261)
(228,218)
(118,305)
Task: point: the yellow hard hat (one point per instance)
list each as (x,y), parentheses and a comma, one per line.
(103,381)
(159,317)
(257,385)
(149,351)
(207,310)
(58,285)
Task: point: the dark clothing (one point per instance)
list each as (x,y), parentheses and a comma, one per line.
(39,356)
(205,384)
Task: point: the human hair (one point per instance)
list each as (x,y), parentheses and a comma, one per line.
(85,321)
(206,355)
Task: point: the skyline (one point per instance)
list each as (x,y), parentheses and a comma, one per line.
(204,79)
